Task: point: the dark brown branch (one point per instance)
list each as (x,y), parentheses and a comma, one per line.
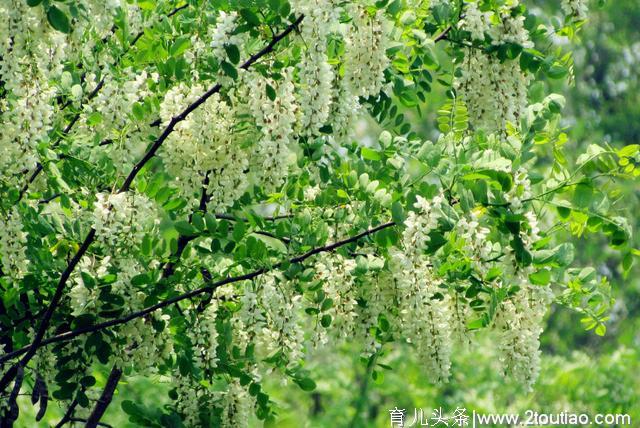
(46,318)
(68,416)
(63,337)
(442,35)
(55,301)
(105,398)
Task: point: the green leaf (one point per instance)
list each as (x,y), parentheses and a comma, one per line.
(94,118)
(325,321)
(271,93)
(229,70)
(181,44)
(306,384)
(211,222)
(541,277)
(271,242)
(250,17)
(33,3)
(232,52)
(397,213)
(185,228)
(369,154)
(58,19)
(138,111)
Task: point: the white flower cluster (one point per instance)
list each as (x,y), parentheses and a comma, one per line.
(335,272)
(495,92)
(345,108)
(311,192)
(315,73)
(191,395)
(13,244)
(122,219)
(84,299)
(365,52)
(236,405)
(202,144)
(475,21)
(143,347)
(418,225)
(380,297)
(204,337)
(436,3)
(275,118)
(501,26)
(478,247)
(520,321)
(282,331)
(579,9)
(223,34)
(424,316)
(112,117)
(521,190)
(32,55)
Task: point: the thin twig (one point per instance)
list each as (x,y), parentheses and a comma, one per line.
(64,337)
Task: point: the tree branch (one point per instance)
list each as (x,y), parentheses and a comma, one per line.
(63,337)
(105,398)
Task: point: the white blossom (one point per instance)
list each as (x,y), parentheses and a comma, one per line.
(13,245)
(579,9)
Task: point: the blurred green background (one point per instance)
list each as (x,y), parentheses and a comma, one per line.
(581,372)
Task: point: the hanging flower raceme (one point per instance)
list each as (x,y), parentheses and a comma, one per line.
(122,219)
(314,72)
(275,116)
(365,57)
(203,149)
(520,322)
(13,245)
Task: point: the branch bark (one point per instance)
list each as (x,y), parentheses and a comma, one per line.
(105,398)
(64,337)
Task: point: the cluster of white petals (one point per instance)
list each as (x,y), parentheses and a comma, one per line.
(315,74)
(579,9)
(425,313)
(223,34)
(419,224)
(494,92)
(520,322)
(336,274)
(110,116)
(13,244)
(236,406)
(204,337)
(365,52)
(204,145)
(521,190)
(478,247)
(122,219)
(282,309)
(275,118)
